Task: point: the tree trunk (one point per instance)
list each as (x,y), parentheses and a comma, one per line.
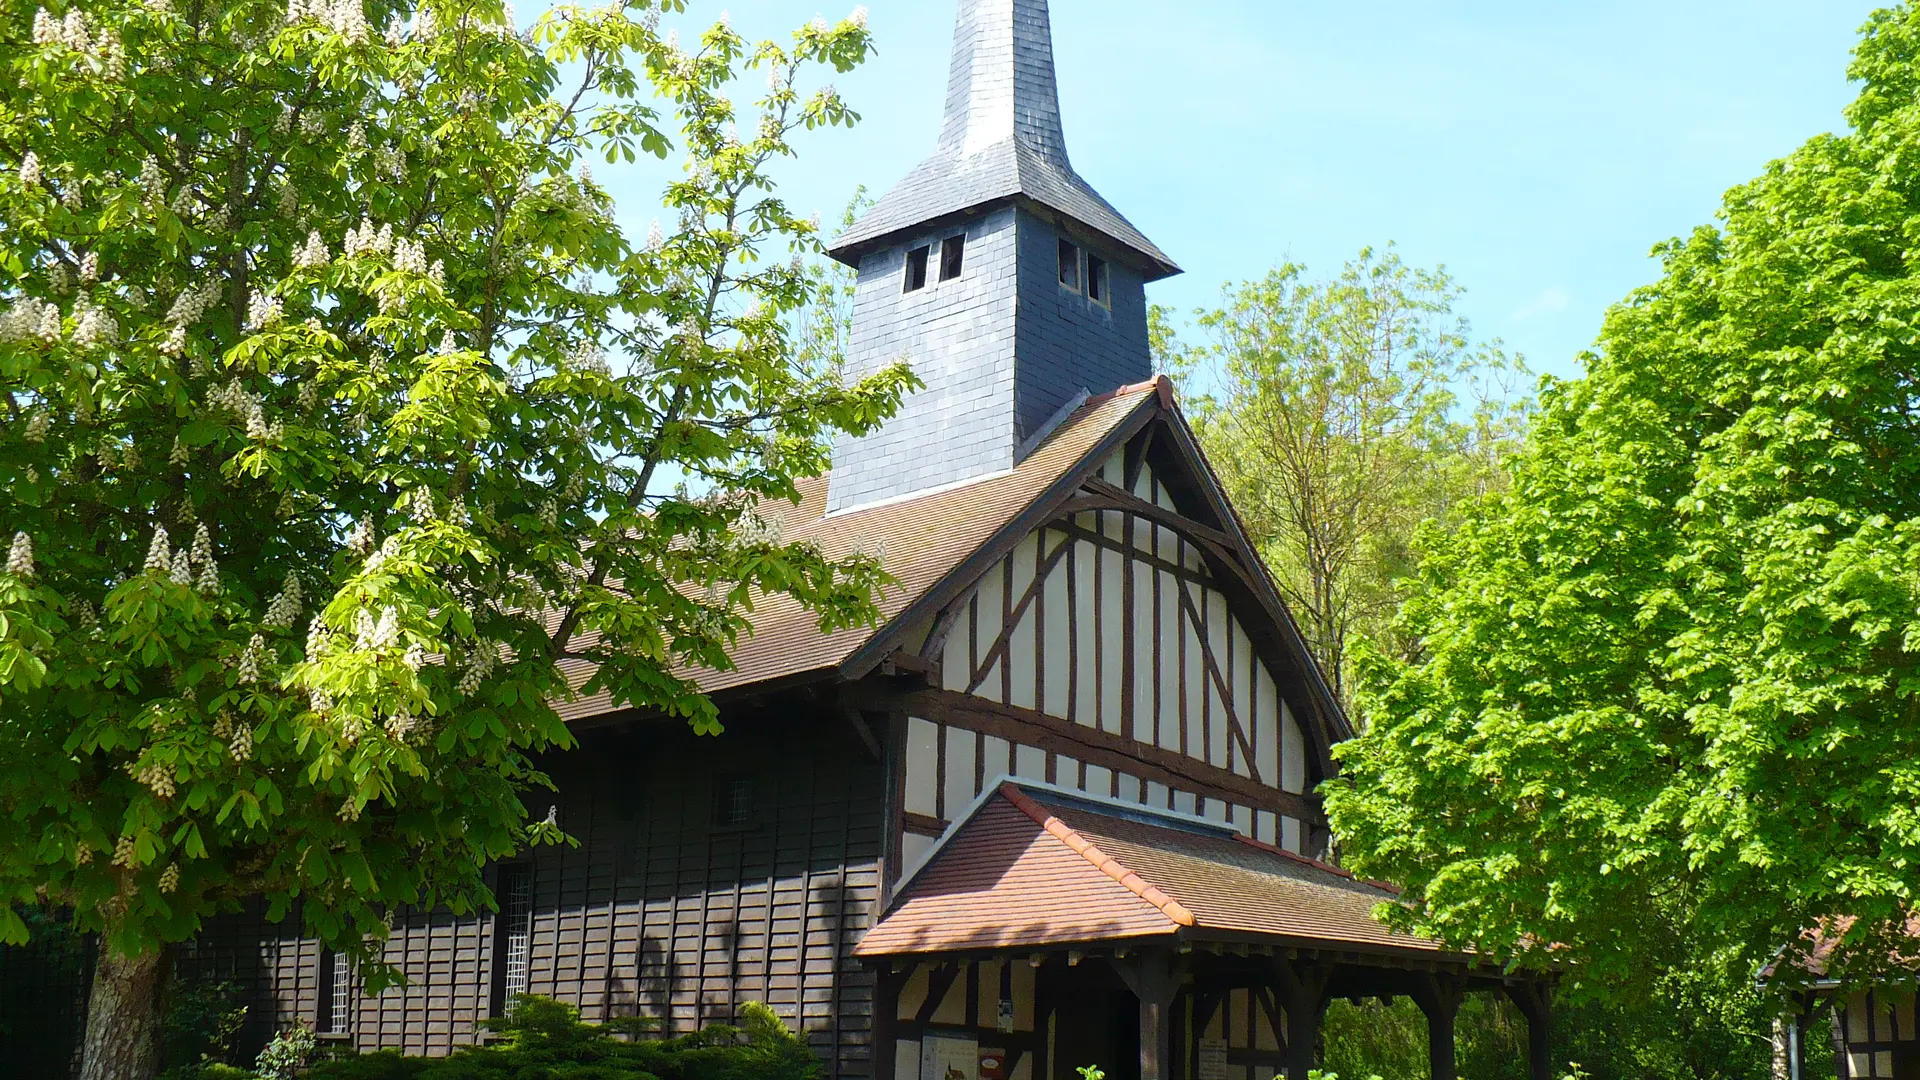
(123,1017)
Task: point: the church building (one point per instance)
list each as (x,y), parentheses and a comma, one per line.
(1057,809)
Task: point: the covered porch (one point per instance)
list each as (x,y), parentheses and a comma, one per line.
(1051,930)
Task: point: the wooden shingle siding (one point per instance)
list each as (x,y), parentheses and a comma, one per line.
(658,912)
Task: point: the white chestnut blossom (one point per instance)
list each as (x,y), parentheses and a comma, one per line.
(193,302)
(318,638)
(285,606)
(159,553)
(415,658)
(250,659)
(179,455)
(181,572)
(313,254)
(74,31)
(30,169)
(396,32)
(90,267)
(346,18)
(37,424)
(437,273)
(202,551)
(46,29)
(170,878)
(208,583)
(409,257)
(153,182)
(20,556)
(360,541)
(479,666)
(264,311)
(95,325)
(859,17)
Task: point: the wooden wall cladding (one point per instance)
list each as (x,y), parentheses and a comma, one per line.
(659,912)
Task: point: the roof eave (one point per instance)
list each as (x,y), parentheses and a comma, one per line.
(853,245)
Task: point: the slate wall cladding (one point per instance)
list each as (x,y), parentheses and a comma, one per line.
(1001,349)
(1065,342)
(959,338)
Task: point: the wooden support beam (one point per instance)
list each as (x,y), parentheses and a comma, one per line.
(867,738)
(1302,986)
(1154,977)
(886,1011)
(1534,998)
(1103,748)
(1439,997)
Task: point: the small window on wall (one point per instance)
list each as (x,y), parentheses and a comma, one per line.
(732,802)
(336,994)
(513,936)
(1069,266)
(917,269)
(953,252)
(1097,281)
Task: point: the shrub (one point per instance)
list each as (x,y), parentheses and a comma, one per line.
(544,1039)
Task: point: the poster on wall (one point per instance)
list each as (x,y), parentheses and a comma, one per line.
(1213,1060)
(949,1056)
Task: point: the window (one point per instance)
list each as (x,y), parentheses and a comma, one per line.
(1097,281)
(732,802)
(953,251)
(513,936)
(917,269)
(336,994)
(1069,266)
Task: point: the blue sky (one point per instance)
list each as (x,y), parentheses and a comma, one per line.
(1537,149)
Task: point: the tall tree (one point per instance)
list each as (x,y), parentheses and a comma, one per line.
(337,416)
(1670,677)
(1341,413)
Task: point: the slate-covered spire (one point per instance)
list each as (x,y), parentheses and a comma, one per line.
(1001,141)
(1011,288)
(1001,85)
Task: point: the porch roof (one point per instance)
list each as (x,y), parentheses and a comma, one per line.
(1033,866)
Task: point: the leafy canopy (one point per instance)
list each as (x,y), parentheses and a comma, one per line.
(1672,677)
(340,424)
(1341,413)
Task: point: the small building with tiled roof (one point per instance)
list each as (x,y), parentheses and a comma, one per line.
(1056,809)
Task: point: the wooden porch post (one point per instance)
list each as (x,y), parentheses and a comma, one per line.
(1439,997)
(1303,992)
(1154,977)
(886,1011)
(1535,1000)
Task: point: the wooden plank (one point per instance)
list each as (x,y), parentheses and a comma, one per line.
(1212,668)
(1050,733)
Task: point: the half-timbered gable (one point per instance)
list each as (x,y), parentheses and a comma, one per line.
(1121,648)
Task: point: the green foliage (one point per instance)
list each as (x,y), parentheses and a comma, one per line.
(1665,710)
(1091,1072)
(202,1018)
(1340,414)
(1693,1032)
(286,1055)
(546,1040)
(346,432)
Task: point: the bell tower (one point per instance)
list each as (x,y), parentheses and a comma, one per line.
(1012,288)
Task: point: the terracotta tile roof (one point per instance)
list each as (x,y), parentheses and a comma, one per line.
(1034,866)
(921,541)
